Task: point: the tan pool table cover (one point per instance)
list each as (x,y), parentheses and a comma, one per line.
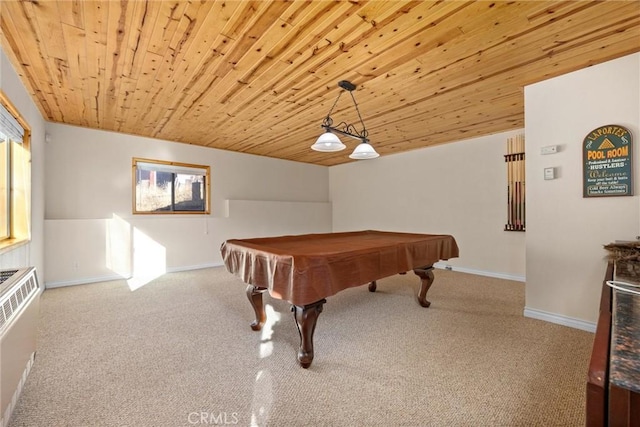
(306,268)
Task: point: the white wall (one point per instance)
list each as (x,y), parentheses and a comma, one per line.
(457,189)
(565,232)
(31,254)
(91,234)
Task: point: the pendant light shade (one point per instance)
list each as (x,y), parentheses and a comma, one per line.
(328,142)
(364,151)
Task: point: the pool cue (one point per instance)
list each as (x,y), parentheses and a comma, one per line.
(514,176)
(514,184)
(524,204)
(510,182)
(516,164)
(507,160)
(520,180)
(517,179)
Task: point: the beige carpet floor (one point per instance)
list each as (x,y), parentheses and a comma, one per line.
(179,352)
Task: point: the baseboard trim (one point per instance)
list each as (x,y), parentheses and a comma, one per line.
(445,266)
(89,280)
(194,267)
(83,281)
(559,319)
(528,312)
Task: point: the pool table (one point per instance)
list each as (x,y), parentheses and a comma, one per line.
(306,269)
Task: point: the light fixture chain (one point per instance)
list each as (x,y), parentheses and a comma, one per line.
(364,132)
(334,105)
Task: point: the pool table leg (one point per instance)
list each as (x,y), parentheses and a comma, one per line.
(426,278)
(254,294)
(306,318)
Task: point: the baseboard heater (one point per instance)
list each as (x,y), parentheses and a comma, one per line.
(19,312)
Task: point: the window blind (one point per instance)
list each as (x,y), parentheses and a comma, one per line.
(10,125)
(183,170)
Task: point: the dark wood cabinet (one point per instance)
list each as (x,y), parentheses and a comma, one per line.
(613,383)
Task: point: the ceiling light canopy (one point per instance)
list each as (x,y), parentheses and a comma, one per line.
(329,141)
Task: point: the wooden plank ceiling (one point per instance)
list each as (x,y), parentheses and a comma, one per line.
(259,76)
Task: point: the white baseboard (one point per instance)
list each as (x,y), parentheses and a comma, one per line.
(89,280)
(83,281)
(559,319)
(194,267)
(528,312)
(444,266)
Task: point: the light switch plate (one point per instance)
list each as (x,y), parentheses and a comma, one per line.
(549,173)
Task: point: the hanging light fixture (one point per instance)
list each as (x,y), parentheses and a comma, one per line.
(329,141)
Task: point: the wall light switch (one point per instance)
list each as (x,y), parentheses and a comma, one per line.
(549,173)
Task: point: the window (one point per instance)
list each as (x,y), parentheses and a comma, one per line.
(161,187)
(5,182)
(15,176)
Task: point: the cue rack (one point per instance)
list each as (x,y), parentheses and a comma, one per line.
(515,184)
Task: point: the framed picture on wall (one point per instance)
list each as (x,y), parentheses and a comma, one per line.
(607,162)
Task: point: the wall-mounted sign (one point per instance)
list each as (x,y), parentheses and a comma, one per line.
(606,156)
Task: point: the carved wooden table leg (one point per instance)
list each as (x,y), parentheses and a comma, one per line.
(254,294)
(373,285)
(426,278)
(306,318)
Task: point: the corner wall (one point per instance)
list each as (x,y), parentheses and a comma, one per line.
(91,234)
(565,232)
(457,189)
